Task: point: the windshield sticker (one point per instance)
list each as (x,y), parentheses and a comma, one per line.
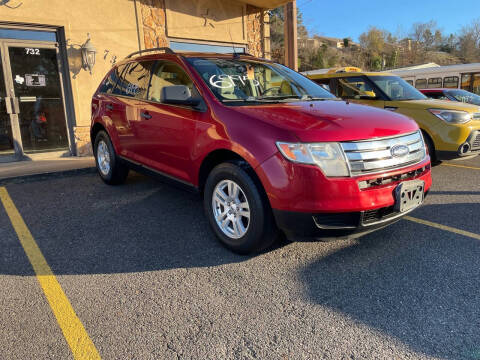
(228,81)
(35,80)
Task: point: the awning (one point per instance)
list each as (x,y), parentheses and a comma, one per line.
(266,4)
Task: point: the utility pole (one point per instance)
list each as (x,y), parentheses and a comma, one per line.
(290,32)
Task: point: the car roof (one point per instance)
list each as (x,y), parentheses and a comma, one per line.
(190,54)
(346,74)
(437,89)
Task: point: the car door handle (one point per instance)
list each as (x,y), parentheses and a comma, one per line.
(145,115)
(109,107)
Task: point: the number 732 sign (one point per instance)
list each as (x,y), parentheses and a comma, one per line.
(32,51)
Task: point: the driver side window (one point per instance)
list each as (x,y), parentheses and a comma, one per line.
(167,73)
(355,88)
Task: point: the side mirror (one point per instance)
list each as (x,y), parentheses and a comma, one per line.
(178,95)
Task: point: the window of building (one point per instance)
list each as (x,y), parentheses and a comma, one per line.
(206,47)
(421,83)
(434,83)
(450,82)
(28,35)
(167,73)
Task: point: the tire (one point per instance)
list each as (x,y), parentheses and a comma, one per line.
(255,232)
(431,148)
(109,166)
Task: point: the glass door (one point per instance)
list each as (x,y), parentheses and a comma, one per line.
(7,148)
(37,96)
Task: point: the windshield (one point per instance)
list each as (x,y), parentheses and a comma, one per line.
(464,96)
(396,88)
(241,81)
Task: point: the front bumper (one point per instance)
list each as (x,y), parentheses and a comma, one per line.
(457,142)
(324,226)
(308,204)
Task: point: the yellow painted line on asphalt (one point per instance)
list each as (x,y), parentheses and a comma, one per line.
(443,227)
(462,166)
(77,338)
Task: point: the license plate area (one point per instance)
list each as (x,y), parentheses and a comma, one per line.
(409,195)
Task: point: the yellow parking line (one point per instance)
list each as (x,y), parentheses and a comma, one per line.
(77,338)
(443,227)
(462,166)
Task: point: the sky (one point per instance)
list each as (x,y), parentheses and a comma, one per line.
(350,18)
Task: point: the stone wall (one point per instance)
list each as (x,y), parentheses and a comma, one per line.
(255,33)
(153,21)
(82,140)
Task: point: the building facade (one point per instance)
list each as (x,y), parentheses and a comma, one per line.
(46,85)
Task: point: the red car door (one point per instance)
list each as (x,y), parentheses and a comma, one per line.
(166,133)
(129,95)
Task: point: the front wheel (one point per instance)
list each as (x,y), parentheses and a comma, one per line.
(238,210)
(109,166)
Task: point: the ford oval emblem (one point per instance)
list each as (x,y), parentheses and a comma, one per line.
(399,150)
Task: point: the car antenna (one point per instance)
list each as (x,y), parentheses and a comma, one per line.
(235,55)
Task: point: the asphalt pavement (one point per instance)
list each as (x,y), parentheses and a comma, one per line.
(148,280)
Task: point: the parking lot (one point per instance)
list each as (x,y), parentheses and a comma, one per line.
(144,274)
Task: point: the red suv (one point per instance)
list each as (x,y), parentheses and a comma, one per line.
(268,148)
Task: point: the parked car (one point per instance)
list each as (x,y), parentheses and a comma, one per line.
(267,148)
(451,130)
(452,95)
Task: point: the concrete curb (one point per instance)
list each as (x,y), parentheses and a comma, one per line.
(46,175)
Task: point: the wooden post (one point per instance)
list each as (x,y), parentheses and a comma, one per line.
(290,31)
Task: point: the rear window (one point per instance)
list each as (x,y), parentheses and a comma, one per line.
(134,80)
(110,81)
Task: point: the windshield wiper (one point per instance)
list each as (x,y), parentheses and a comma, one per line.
(250,100)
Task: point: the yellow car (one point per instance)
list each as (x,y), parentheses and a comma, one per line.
(450,129)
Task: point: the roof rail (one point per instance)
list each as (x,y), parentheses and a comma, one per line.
(166,49)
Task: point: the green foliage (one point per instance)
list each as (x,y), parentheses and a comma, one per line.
(379,49)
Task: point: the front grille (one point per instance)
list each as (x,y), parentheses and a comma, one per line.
(476,142)
(373,216)
(374,156)
(385,180)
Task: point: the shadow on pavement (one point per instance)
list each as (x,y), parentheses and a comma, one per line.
(92,228)
(417,284)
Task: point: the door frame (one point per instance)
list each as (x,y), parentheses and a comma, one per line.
(5,44)
(64,78)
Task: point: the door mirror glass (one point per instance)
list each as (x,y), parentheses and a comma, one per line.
(178,95)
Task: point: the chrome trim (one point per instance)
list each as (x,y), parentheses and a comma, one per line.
(387,219)
(374,156)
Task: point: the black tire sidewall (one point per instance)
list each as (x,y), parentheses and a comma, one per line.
(102,135)
(252,240)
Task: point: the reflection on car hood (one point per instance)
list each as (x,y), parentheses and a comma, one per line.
(313,121)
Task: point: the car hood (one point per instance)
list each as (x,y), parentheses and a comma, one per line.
(434,104)
(331,120)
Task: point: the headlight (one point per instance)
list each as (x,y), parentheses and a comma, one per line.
(452,116)
(328,156)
